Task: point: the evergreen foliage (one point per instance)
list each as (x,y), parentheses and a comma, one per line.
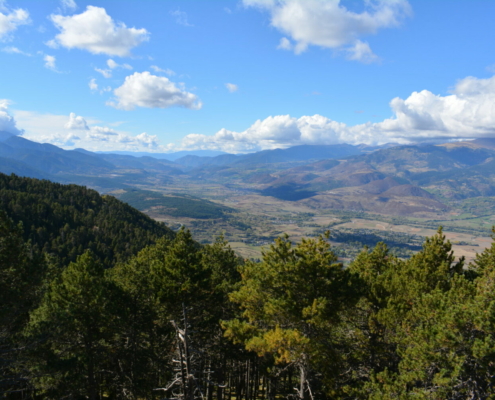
(175,205)
(21,276)
(66,220)
(184,321)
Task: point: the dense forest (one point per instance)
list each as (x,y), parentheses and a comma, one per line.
(66,220)
(97,301)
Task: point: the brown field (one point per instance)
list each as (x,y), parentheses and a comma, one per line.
(269,217)
(477,243)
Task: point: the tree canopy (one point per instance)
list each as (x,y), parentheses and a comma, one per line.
(165,317)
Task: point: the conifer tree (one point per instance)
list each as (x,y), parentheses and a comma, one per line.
(21,275)
(291,302)
(74,326)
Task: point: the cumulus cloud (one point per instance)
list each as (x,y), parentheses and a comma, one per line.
(285,44)
(11,19)
(7,121)
(361,51)
(50,62)
(149,141)
(95,31)
(93,85)
(329,24)
(231,87)
(77,131)
(143,89)
(76,122)
(468,112)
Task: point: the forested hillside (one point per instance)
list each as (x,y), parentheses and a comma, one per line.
(67,220)
(177,320)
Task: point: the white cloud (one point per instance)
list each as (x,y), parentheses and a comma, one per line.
(329,24)
(95,31)
(79,132)
(285,44)
(112,65)
(105,72)
(10,20)
(150,141)
(231,87)
(68,5)
(93,85)
(50,62)
(15,50)
(468,112)
(7,121)
(167,71)
(180,17)
(361,51)
(142,89)
(76,122)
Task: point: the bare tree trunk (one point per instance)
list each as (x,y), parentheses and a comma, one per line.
(302,381)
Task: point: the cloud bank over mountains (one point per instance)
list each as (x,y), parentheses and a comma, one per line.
(78,132)
(468,112)
(329,24)
(7,121)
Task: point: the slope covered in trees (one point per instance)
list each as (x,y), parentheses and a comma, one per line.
(66,220)
(184,321)
(177,205)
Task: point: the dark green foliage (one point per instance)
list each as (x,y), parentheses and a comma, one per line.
(296,324)
(75,326)
(291,303)
(426,325)
(110,332)
(291,192)
(66,220)
(175,205)
(21,274)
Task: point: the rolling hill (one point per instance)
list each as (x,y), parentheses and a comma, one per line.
(418,180)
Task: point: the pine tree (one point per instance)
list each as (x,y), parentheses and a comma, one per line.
(291,302)
(21,275)
(74,326)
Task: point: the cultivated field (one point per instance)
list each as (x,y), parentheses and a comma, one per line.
(258,220)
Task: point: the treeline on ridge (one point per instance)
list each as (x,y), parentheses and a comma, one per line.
(182,321)
(176,205)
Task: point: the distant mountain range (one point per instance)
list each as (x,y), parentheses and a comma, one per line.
(392,179)
(165,156)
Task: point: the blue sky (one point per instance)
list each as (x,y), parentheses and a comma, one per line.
(245,75)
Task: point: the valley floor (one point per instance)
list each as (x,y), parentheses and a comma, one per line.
(258,220)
